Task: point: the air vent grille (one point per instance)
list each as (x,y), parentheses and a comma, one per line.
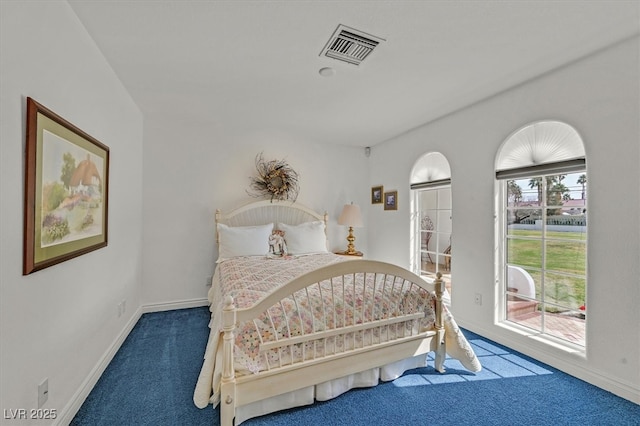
(349,45)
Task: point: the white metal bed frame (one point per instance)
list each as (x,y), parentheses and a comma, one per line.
(238,391)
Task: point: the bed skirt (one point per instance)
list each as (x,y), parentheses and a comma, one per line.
(329,390)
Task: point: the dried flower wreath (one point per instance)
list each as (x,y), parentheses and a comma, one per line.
(276,179)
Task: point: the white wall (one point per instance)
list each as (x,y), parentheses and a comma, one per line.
(58,323)
(190,171)
(599,96)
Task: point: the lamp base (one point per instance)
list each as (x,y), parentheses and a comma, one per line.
(351,248)
(347,253)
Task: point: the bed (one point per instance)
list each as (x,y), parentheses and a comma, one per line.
(292,323)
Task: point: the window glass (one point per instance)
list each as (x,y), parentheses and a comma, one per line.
(546,254)
(434,212)
(432,217)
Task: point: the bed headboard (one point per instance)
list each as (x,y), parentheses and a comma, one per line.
(267,211)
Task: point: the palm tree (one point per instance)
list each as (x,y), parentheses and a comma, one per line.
(555,190)
(582,180)
(514,191)
(537,183)
(514,195)
(555,194)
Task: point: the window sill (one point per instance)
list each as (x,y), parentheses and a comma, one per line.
(545,339)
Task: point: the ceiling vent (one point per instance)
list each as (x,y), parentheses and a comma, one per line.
(350,45)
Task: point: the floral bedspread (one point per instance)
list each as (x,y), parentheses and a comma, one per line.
(249,279)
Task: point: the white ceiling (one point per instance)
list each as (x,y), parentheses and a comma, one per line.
(250,69)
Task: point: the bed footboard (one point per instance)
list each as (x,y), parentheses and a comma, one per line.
(343,328)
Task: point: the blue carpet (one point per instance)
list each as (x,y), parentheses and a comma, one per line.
(151,379)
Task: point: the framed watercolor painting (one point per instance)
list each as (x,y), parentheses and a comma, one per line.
(376,195)
(66,190)
(391,200)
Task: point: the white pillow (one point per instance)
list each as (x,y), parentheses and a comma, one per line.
(308,237)
(237,241)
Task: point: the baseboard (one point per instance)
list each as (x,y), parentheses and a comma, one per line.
(171,306)
(66,415)
(626,390)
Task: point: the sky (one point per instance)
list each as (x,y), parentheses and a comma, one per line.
(569,181)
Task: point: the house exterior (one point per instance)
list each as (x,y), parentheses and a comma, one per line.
(574,207)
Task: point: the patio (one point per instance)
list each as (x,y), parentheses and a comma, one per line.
(566,327)
(525,313)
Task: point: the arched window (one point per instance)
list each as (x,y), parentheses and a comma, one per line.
(432,220)
(542,182)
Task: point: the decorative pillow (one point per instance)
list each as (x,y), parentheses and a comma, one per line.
(277,244)
(237,241)
(308,237)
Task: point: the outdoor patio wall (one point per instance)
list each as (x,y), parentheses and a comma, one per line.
(599,96)
(556,228)
(60,323)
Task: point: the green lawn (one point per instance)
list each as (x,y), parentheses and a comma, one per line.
(565,254)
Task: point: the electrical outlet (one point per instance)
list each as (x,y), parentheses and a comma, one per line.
(478,299)
(43,392)
(208,283)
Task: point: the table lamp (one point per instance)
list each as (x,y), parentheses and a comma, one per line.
(351,217)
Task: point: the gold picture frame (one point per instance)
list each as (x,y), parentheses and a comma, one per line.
(376,194)
(391,200)
(66,190)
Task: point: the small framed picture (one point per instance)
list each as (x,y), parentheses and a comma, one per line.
(391,200)
(376,195)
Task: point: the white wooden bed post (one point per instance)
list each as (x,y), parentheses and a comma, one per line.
(441,349)
(228,383)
